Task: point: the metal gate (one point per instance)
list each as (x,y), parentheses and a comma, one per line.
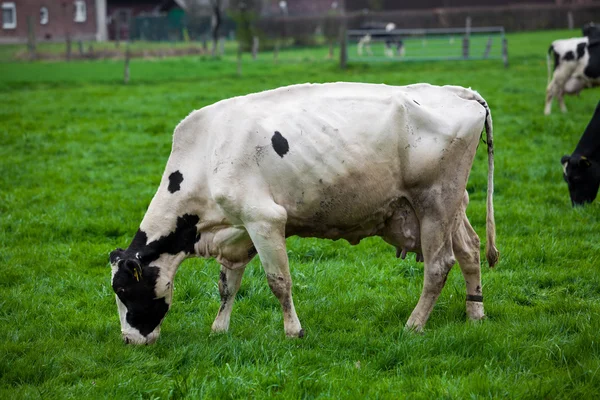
(427,44)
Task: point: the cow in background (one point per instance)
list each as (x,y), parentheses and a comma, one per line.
(581,170)
(576,67)
(391,41)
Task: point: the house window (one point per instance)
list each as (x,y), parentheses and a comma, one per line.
(44,15)
(80,11)
(9,16)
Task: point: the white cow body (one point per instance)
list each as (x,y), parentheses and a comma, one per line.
(339,160)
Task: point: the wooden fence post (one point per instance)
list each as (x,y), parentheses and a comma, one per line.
(126,71)
(255,43)
(505,52)
(570,21)
(68,39)
(343,43)
(239,59)
(31,38)
(467,38)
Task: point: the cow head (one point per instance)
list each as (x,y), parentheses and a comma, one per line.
(143,296)
(583,178)
(142,277)
(591,30)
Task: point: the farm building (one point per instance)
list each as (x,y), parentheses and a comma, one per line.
(53,20)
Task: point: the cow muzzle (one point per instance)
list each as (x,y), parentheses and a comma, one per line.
(132,337)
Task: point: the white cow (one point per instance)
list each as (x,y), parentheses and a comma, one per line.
(337,160)
(576,67)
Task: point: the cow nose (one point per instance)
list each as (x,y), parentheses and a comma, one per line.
(131,338)
(134,338)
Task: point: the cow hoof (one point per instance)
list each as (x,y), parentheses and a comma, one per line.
(218,328)
(475,310)
(414,329)
(294,335)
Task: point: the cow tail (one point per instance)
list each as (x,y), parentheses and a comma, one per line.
(491,252)
(548,61)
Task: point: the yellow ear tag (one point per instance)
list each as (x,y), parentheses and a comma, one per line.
(136,274)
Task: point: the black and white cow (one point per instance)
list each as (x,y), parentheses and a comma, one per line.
(576,67)
(337,161)
(394,45)
(581,170)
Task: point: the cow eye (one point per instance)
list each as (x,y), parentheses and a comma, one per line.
(120,290)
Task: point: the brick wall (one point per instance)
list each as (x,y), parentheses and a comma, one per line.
(61,15)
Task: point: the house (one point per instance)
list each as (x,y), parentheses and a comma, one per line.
(52,20)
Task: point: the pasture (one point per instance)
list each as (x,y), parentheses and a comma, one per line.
(82,154)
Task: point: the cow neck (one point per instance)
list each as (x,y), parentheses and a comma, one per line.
(168,232)
(589,144)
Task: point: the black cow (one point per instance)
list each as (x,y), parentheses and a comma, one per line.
(581,169)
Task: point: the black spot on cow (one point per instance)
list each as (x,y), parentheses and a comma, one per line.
(555,55)
(581,50)
(175,180)
(569,56)
(223,290)
(280,144)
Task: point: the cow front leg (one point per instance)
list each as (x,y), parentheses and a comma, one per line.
(268,237)
(229,283)
(437,251)
(466,249)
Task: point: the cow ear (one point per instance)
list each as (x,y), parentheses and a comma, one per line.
(584,162)
(565,159)
(116,255)
(134,267)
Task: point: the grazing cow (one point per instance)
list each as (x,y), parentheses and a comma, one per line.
(581,170)
(591,30)
(336,161)
(390,39)
(576,67)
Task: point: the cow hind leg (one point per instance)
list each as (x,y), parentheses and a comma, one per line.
(465,243)
(267,231)
(229,283)
(549,97)
(436,244)
(561,101)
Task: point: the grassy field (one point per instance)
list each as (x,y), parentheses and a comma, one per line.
(82,154)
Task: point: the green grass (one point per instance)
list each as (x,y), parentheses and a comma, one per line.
(82,154)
